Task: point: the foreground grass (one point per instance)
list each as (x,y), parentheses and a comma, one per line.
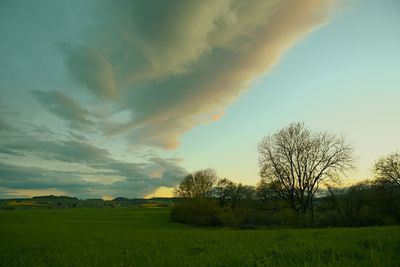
(146,237)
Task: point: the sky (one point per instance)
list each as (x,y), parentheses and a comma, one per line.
(100,99)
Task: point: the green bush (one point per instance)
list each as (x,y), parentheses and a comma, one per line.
(197,211)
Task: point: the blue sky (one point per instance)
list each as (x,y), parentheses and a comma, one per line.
(343,78)
(104,99)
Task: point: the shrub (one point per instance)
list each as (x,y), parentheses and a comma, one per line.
(197,211)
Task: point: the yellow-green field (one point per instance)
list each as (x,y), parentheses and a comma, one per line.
(146,237)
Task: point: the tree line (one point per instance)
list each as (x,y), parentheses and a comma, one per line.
(300,182)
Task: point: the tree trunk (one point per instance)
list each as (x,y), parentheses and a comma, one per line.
(302,219)
(311,211)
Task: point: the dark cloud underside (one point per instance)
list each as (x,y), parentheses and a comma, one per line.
(64,107)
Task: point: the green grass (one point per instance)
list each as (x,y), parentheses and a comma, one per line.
(146,237)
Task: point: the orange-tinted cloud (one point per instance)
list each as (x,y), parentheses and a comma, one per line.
(171,63)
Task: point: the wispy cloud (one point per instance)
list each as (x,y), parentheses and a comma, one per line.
(4,125)
(64,107)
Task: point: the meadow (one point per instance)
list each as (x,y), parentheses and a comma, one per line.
(147,237)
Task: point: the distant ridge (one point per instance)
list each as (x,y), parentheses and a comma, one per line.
(52,201)
(55,197)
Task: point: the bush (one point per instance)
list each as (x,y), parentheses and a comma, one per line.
(228,218)
(197,211)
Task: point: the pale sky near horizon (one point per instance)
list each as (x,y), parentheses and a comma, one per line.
(107,99)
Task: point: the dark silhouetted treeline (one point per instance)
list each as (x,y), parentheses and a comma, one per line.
(229,204)
(298,168)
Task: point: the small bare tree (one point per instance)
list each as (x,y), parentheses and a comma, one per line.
(388,168)
(197,184)
(297,161)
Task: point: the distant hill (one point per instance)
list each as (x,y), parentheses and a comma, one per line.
(50,197)
(52,201)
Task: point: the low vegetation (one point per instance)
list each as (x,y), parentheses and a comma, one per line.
(146,237)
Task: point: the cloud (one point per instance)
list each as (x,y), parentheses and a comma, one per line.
(7,151)
(153,71)
(62,150)
(124,179)
(25,177)
(64,107)
(174,65)
(4,125)
(91,67)
(79,168)
(6,118)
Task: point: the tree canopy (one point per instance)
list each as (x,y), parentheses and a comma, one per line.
(296,161)
(388,168)
(197,184)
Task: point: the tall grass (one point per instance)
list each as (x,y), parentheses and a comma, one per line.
(146,237)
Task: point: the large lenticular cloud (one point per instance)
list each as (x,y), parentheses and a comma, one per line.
(176,64)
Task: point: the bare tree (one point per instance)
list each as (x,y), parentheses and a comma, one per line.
(197,184)
(388,168)
(297,161)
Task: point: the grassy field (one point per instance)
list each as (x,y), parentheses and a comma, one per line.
(146,237)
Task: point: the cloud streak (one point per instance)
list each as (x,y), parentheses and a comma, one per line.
(64,107)
(174,65)
(79,168)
